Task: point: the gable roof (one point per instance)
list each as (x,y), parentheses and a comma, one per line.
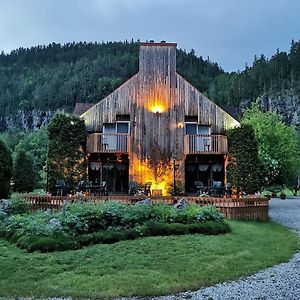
(81,108)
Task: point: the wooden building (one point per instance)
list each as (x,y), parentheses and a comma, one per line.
(154,122)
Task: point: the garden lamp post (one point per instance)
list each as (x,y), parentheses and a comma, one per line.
(174,175)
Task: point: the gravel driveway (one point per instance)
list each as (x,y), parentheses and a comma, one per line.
(279,282)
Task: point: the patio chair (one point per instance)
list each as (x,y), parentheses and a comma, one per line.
(61,188)
(103,188)
(199,187)
(133,188)
(147,188)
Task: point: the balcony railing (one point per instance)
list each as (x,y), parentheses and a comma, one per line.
(205,144)
(107,143)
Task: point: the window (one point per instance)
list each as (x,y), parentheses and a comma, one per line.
(119,127)
(199,139)
(114,136)
(122,127)
(190,128)
(193,128)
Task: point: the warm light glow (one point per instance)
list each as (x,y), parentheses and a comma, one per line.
(157,108)
(142,174)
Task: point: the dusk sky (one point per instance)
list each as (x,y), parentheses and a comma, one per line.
(230,32)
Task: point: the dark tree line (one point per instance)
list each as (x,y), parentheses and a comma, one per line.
(58,76)
(266,76)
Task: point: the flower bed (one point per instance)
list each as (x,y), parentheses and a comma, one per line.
(81,224)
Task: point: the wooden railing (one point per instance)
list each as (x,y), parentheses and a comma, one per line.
(239,209)
(107,143)
(205,144)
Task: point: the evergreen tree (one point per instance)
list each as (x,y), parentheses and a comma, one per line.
(66,156)
(23,173)
(5,170)
(243,166)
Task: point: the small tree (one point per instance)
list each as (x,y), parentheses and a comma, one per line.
(278,146)
(23,173)
(5,169)
(66,156)
(243,166)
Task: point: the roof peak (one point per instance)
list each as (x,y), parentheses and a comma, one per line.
(161,43)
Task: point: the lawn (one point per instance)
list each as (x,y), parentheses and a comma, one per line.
(146,266)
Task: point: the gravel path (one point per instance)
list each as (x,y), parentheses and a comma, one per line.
(279,282)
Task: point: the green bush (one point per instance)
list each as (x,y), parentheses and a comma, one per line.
(47,243)
(209,213)
(84,223)
(43,243)
(188,214)
(17,206)
(163,213)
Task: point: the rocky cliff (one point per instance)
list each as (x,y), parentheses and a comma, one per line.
(285,103)
(25,120)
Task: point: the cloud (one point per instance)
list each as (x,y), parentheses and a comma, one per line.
(231,32)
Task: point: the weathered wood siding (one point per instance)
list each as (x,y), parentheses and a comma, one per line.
(157,87)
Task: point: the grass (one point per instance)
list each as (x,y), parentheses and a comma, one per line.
(147,266)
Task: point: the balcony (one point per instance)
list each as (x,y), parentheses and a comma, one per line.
(107,143)
(205,144)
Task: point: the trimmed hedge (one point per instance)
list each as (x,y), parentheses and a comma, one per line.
(50,243)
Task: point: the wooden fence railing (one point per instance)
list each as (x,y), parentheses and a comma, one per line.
(107,143)
(239,209)
(205,144)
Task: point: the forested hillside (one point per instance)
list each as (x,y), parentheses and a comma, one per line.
(267,77)
(37,81)
(57,76)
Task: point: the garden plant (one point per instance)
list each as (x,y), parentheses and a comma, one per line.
(82,224)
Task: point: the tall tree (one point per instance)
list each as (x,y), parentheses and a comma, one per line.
(35,143)
(66,156)
(5,170)
(23,172)
(243,166)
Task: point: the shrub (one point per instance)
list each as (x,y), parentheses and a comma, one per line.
(37,223)
(188,214)
(47,243)
(163,213)
(209,213)
(17,206)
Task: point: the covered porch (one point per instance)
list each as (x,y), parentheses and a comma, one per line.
(205,174)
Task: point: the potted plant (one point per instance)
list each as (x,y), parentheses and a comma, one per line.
(268,196)
(274,189)
(282,195)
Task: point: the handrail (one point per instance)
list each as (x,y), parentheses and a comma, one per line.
(205,144)
(107,142)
